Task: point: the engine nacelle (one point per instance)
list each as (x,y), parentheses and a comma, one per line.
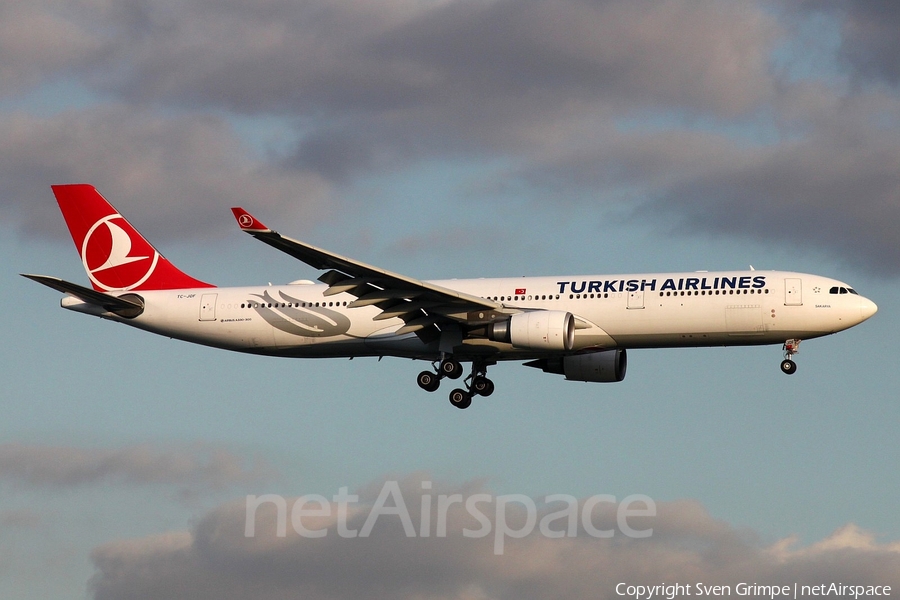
(536,330)
(605,366)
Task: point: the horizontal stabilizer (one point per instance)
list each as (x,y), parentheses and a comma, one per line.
(122,306)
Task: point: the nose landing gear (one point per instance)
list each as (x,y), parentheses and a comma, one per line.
(791,347)
(476,384)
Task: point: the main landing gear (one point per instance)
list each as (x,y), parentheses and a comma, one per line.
(791,347)
(477,383)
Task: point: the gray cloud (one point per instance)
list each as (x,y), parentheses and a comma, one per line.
(341,57)
(870,44)
(405,79)
(24,518)
(831,180)
(825,191)
(170,175)
(194,467)
(673,110)
(40,40)
(217,560)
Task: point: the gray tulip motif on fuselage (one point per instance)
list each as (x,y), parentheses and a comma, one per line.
(296,317)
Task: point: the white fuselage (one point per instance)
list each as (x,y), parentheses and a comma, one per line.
(612,311)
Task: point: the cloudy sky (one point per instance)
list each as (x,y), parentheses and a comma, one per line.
(448,138)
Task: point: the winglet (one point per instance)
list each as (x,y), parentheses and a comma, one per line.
(248,222)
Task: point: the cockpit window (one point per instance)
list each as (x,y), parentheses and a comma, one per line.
(833,290)
(852,291)
(842,290)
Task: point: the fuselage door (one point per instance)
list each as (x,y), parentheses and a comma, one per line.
(793,292)
(208,307)
(636,299)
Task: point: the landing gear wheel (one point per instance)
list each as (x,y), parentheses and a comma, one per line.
(460,398)
(482,386)
(428,381)
(451,368)
(791,347)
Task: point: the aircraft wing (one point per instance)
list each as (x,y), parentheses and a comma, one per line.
(421,305)
(111,303)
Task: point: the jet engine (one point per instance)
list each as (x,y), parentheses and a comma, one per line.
(536,330)
(605,366)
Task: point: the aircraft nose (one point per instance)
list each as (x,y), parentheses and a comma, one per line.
(867,308)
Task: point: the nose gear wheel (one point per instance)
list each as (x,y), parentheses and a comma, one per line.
(791,347)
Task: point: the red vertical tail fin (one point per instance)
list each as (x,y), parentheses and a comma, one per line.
(115,256)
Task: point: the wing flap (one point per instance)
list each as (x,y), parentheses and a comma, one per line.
(416,325)
(347,285)
(405,308)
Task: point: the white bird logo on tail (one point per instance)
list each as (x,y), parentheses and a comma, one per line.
(119,255)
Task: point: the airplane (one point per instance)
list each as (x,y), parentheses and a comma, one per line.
(576,326)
